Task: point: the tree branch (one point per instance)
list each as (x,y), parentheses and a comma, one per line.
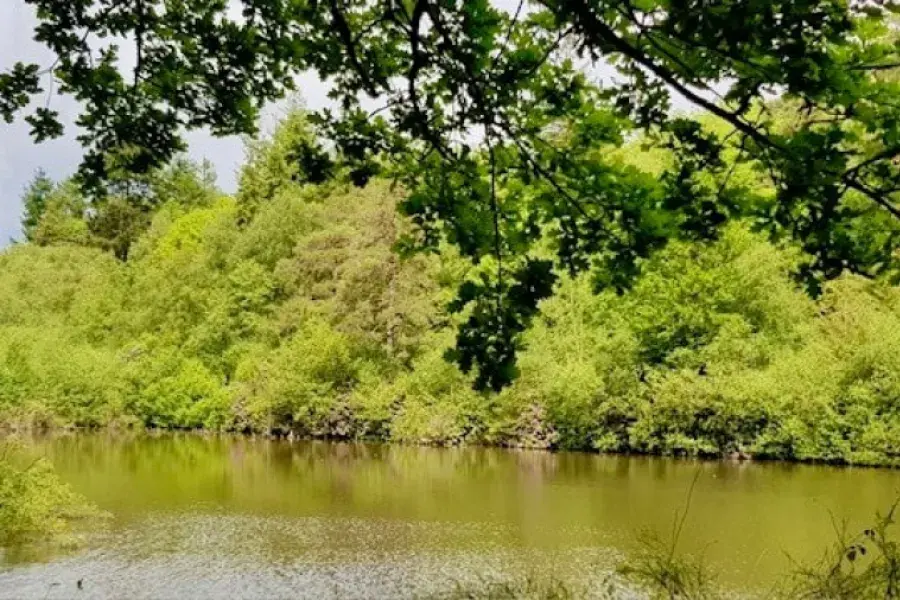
(343,29)
(593,27)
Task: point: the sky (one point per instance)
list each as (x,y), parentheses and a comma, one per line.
(20,157)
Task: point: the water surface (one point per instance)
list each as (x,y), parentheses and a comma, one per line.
(227,517)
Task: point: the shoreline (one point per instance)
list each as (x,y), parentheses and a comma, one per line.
(152,432)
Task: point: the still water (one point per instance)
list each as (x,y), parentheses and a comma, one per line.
(237,517)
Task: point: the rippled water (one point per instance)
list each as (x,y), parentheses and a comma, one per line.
(235,517)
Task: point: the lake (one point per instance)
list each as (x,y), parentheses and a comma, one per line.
(200,516)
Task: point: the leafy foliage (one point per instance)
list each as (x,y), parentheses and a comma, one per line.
(498,124)
(34,503)
(288,309)
(34,201)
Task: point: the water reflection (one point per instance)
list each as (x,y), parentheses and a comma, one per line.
(199,504)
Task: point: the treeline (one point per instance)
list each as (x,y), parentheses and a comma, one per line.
(292,307)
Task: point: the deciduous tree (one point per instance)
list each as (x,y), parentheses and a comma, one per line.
(499,124)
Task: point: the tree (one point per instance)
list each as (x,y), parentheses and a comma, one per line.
(34,201)
(115,219)
(124,208)
(503,141)
(60,218)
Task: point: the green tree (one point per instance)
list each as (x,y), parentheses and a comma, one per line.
(300,316)
(114,219)
(63,218)
(124,209)
(501,140)
(293,154)
(34,201)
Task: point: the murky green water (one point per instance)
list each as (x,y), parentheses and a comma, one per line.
(219,517)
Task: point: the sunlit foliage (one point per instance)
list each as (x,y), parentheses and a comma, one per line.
(34,504)
(502,121)
(294,308)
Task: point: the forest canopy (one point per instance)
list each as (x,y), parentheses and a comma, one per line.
(287,308)
(501,122)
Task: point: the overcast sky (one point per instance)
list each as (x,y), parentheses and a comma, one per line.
(20,158)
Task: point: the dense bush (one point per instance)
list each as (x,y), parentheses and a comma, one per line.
(34,503)
(288,308)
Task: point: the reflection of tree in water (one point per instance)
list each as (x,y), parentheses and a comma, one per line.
(537,466)
(215,496)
